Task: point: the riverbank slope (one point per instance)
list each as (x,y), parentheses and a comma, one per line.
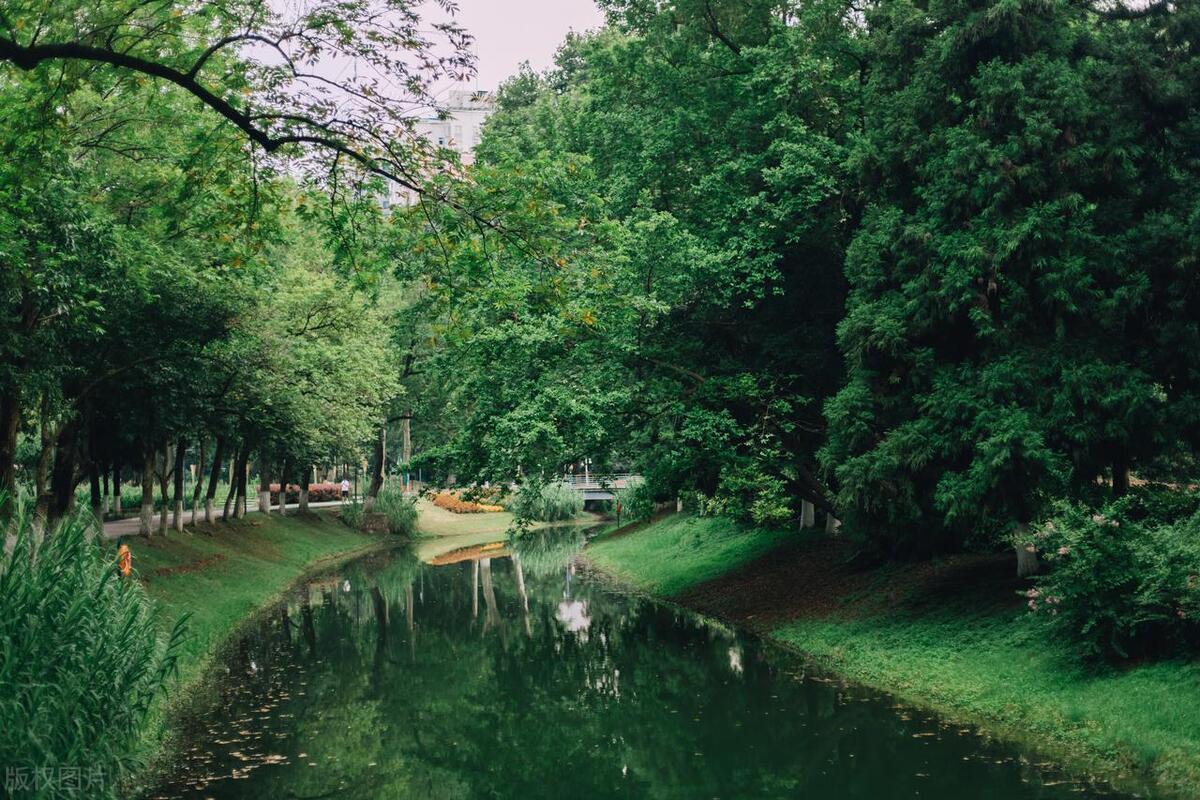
(222,574)
(948,635)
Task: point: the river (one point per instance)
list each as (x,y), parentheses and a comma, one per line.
(502,677)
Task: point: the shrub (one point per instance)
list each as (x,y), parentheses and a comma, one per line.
(317,492)
(401,511)
(353,514)
(1119,586)
(82,660)
(636,499)
(549,502)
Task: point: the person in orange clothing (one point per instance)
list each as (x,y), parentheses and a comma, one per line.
(124,559)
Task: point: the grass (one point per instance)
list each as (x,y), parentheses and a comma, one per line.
(1000,672)
(671,556)
(972,661)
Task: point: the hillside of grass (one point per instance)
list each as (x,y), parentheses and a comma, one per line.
(948,635)
(680,551)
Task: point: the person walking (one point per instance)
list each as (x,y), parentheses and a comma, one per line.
(345,489)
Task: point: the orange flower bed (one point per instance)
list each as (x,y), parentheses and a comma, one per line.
(452,502)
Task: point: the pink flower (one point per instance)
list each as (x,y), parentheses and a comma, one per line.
(1033,605)
(1097,518)
(1032,593)
(1064,550)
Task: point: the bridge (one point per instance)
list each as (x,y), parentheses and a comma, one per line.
(600,487)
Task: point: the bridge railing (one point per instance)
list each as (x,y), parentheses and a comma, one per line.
(619,480)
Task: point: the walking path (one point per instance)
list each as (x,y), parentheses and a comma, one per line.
(131,526)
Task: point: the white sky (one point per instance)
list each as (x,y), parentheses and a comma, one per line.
(508,32)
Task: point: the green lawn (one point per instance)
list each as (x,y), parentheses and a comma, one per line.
(672,555)
(990,666)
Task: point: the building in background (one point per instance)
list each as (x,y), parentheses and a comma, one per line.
(459,130)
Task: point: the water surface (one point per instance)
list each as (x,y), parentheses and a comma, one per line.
(518,678)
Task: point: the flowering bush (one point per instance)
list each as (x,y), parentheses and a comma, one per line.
(452,502)
(1119,585)
(317,492)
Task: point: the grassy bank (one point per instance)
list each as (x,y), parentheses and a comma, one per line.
(949,636)
(670,556)
(222,575)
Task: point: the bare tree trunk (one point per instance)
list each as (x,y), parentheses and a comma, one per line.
(146,514)
(199,490)
(378,465)
(164,483)
(106,492)
(832,523)
(214,478)
(177,472)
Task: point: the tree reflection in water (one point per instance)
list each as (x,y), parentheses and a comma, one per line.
(594,694)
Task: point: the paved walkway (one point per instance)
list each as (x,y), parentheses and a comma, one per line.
(130,526)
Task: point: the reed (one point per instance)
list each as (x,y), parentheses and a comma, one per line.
(83,657)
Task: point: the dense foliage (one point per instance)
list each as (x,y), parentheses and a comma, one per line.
(83,658)
(556,501)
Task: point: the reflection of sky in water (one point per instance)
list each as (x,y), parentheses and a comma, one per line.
(573,614)
(391,680)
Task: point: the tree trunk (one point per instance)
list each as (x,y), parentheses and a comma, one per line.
(378,465)
(1027,559)
(106,492)
(264,486)
(41,478)
(177,499)
(305,480)
(406,445)
(97,495)
(832,523)
(808,514)
(146,514)
(283,476)
(116,488)
(10,424)
(237,484)
(214,478)
(199,490)
(164,490)
(62,475)
(1120,470)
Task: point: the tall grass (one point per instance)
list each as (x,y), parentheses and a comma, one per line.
(551,502)
(400,511)
(82,659)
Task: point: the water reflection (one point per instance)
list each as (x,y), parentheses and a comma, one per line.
(556,687)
